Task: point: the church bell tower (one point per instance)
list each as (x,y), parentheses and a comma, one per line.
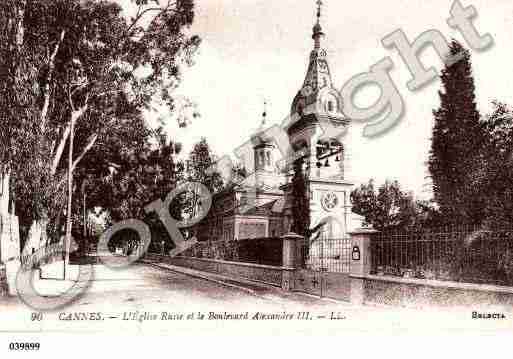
(264,153)
(316,128)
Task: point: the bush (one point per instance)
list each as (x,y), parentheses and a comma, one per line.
(266,251)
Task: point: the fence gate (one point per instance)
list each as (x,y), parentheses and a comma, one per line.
(325,267)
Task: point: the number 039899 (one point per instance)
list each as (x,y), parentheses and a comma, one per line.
(24,346)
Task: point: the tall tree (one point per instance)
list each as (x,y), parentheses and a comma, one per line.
(144,170)
(497,179)
(140,178)
(201,159)
(83,65)
(387,207)
(457,142)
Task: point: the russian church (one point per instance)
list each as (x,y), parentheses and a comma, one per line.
(261,207)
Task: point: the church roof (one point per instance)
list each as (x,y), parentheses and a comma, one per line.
(268,209)
(318,95)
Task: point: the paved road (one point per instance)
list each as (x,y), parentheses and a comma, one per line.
(149,285)
(145,288)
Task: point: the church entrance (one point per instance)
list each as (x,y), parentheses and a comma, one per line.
(325,268)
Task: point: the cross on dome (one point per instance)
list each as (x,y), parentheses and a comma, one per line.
(264,115)
(317,30)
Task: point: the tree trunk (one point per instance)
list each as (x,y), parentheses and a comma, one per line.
(69,224)
(4,193)
(47,88)
(36,238)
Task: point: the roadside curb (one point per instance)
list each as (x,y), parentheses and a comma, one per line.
(206,276)
(268,292)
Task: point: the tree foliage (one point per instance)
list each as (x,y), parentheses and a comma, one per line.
(457,143)
(471,160)
(139,177)
(87,64)
(137,171)
(198,170)
(496,181)
(201,159)
(386,207)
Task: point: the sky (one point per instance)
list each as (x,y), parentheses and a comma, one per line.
(256,50)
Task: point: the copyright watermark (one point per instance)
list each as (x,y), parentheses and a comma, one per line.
(389,108)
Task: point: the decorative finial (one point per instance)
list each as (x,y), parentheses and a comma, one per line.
(264,115)
(317,29)
(319,9)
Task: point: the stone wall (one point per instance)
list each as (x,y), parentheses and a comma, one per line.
(260,273)
(419,293)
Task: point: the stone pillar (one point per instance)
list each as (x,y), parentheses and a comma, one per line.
(291,259)
(360,262)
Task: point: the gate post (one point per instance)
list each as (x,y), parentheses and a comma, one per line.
(291,259)
(4,290)
(360,262)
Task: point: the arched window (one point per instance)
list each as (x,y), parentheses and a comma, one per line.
(330,106)
(268,155)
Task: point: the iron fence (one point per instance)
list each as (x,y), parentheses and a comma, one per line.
(326,255)
(474,256)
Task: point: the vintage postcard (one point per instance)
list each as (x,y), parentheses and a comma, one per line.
(292,167)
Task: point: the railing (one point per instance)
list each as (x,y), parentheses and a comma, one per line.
(326,255)
(473,256)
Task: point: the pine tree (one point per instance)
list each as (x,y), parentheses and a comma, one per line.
(458,137)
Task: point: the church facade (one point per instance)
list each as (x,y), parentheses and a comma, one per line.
(262,205)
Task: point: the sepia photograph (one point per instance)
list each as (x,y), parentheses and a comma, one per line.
(254,167)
